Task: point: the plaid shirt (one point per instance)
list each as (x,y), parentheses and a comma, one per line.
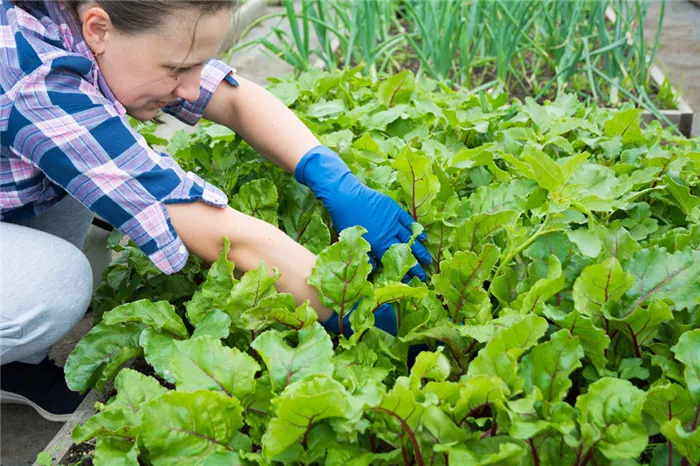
(63,131)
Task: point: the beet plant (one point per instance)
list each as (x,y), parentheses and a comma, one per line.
(559,325)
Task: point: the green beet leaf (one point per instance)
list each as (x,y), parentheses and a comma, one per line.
(345,455)
(204,363)
(246,294)
(419,184)
(121,417)
(189,428)
(594,340)
(460,283)
(625,123)
(599,284)
(281,310)
(686,442)
(491,451)
(358,366)
(116,422)
(287,364)
(666,402)
(610,418)
(362,318)
(158,349)
(396,262)
(298,408)
(397,89)
(687,351)
(217,286)
(438,429)
(661,275)
(340,273)
(430,365)
(474,397)
(160,315)
(258,198)
(402,415)
(641,326)
(549,365)
(472,234)
(316,236)
(588,243)
(100,355)
(689,204)
(114,451)
(257,407)
(215,324)
(499,357)
(543,289)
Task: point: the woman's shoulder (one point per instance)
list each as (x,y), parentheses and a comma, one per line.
(32,40)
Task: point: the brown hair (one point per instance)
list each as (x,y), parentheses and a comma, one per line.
(137,16)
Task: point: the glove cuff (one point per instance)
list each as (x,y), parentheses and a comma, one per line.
(322,170)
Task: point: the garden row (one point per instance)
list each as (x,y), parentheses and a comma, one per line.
(560,319)
(535,48)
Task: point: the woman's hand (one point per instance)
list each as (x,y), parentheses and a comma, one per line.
(351,203)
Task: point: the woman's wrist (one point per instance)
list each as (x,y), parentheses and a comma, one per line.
(324,172)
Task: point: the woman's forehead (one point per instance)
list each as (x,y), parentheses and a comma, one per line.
(189,39)
(193,32)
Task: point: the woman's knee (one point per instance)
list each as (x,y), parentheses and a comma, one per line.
(76,280)
(47,293)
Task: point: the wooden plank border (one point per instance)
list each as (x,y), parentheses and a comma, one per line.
(250,11)
(62,441)
(682,117)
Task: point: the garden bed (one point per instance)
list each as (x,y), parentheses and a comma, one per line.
(592,52)
(554,198)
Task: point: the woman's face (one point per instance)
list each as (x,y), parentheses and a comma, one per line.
(146,71)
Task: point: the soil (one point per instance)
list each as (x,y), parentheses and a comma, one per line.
(80,455)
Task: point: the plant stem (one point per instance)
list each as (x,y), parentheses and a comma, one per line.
(398,315)
(588,457)
(541,231)
(535,455)
(408,431)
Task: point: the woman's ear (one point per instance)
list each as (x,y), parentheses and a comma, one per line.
(97,29)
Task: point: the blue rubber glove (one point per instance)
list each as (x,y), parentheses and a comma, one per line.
(384,318)
(351,203)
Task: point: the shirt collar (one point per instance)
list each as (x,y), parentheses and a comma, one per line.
(72,36)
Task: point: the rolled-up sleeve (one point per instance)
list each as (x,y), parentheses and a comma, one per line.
(214,73)
(69,130)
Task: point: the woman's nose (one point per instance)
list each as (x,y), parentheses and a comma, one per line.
(188,87)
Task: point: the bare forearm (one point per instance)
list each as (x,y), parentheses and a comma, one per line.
(202,228)
(263,121)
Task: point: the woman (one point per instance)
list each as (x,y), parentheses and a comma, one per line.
(70,74)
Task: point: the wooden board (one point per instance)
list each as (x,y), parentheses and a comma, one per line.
(61,443)
(683,116)
(250,11)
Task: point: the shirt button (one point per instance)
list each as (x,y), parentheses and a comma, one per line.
(182,249)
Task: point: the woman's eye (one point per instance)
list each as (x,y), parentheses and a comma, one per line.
(178,71)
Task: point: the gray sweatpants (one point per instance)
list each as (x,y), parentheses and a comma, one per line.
(45,280)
